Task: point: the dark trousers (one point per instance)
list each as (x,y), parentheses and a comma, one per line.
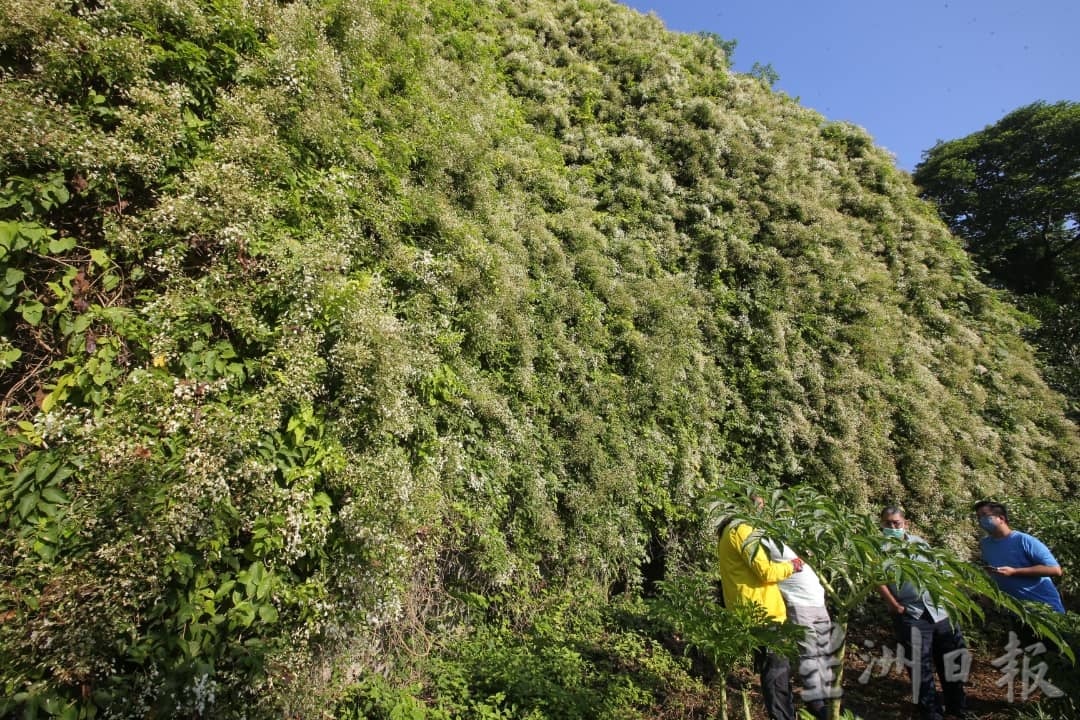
(775,684)
(935,640)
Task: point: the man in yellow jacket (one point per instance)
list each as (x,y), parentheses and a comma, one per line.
(749,575)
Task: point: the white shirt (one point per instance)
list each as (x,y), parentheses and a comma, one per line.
(803,588)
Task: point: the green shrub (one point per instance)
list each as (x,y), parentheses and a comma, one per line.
(316,317)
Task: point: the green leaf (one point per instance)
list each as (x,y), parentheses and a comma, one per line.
(61,194)
(23,481)
(62,473)
(27,503)
(55,495)
(268,614)
(8,231)
(266,584)
(45,469)
(31,311)
(254,578)
(61,245)
(100,257)
(59,393)
(12,278)
(9,357)
(225,589)
(242,615)
(37,235)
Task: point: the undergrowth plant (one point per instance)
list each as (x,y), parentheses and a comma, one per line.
(575,660)
(726,637)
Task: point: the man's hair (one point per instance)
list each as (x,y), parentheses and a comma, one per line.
(723,525)
(995,508)
(891,510)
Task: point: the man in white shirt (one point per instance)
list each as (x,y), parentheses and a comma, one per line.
(804,597)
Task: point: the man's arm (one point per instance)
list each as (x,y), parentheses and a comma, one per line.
(891,602)
(1043,562)
(1030,571)
(758,560)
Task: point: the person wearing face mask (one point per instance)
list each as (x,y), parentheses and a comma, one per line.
(924,631)
(1021,564)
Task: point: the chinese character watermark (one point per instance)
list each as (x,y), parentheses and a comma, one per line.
(1017,662)
(898,661)
(818,665)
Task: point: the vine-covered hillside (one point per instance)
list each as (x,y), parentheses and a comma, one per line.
(322,319)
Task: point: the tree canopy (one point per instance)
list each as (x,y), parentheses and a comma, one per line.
(1012,191)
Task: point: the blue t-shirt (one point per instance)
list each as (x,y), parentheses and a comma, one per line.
(1021,550)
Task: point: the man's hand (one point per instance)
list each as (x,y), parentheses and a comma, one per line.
(892,605)
(798,564)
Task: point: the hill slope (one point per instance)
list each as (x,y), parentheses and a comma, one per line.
(321,318)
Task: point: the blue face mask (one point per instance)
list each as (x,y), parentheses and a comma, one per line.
(986,522)
(897,533)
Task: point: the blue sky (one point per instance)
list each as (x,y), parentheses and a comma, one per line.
(910,72)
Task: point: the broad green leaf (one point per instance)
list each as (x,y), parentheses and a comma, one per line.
(45,469)
(268,614)
(242,615)
(100,257)
(31,311)
(9,357)
(8,231)
(61,245)
(55,495)
(12,278)
(27,503)
(225,589)
(266,584)
(60,192)
(58,394)
(36,234)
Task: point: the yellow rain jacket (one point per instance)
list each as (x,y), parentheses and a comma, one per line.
(747,572)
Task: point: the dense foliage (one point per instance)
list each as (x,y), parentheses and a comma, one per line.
(1012,192)
(335,329)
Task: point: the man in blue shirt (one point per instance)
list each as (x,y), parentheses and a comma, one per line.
(1020,564)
